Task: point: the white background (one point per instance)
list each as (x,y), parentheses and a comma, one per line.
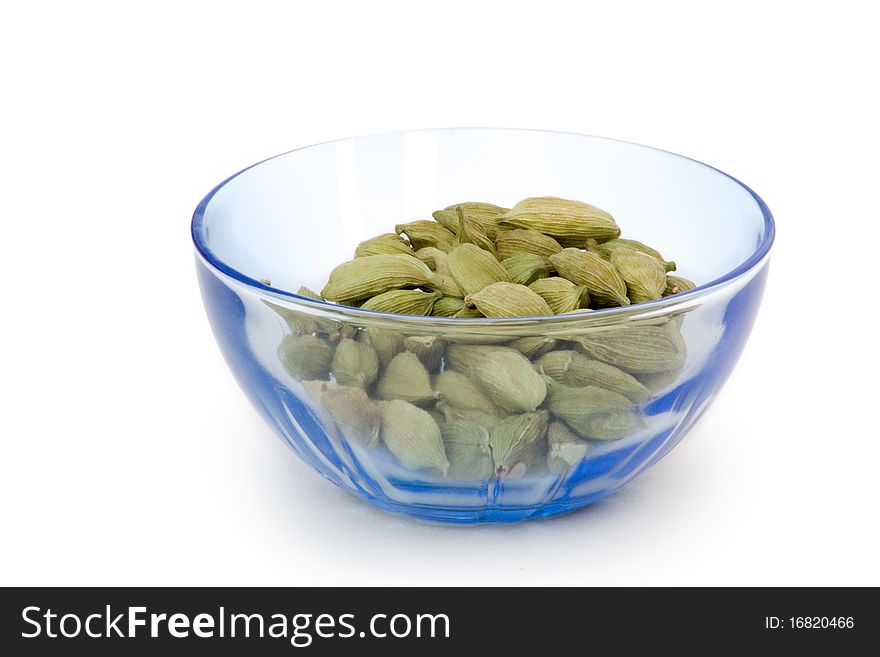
(130,457)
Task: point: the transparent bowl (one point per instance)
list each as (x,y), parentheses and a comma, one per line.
(289,220)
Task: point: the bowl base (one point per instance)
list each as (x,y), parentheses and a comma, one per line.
(485,515)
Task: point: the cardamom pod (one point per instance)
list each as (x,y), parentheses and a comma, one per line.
(564,449)
(468,313)
(571,223)
(298,322)
(335,330)
(605,250)
(428,348)
(412,435)
(676,284)
(357,416)
(354,363)
(371,275)
(473,269)
(425,232)
(435,259)
(460,392)
(464,357)
(384,244)
(572,368)
(561,294)
(403,302)
(532,347)
(613,425)
(405,378)
(525,268)
(387,343)
(636,349)
(314,395)
(514,241)
(303,291)
(574,406)
(602,280)
(305,357)
(485,214)
(471,231)
(657,382)
(515,440)
(509,380)
(468,451)
(508,300)
(451,414)
(447,306)
(644,275)
(445,285)
(447,218)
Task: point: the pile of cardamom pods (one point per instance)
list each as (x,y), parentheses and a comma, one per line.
(521,407)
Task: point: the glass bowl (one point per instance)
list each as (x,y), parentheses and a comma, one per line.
(287,221)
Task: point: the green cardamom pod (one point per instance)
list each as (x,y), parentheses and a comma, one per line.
(468,313)
(561,294)
(354,363)
(303,291)
(571,223)
(602,280)
(436,259)
(464,357)
(564,449)
(676,284)
(448,219)
(406,378)
(447,306)
(514,241)
(403,302)
(387,343)
(572,368)
(644,275)
(356,415)
(508,300)
(471,231)
(516,439)
(525,268)
(532,347)
(468,451)
(425,232)
(299,323)
(636,349)
(509,380)
(428,348)
(613,425)
(473,269)
(368,276)
(305,357)
(452,414)
(484,213)
(459,391)
(605,250)
(575,406)
(335,330)
(446,285)
(412,435)
(385,244)
(657,382)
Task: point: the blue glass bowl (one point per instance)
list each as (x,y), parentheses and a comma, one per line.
(289,220)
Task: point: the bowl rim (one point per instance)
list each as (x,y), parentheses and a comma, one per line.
(757,257)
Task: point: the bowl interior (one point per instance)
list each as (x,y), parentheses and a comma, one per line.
(292,218)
